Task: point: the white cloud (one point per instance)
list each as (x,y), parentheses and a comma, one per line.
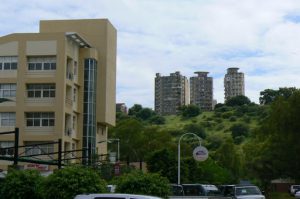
(157,36)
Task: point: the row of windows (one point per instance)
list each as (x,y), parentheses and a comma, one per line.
(7,90)
(40,90)
(29,150)
(33,90)
(42,119)
(8,63)
(42,63)
(33,119)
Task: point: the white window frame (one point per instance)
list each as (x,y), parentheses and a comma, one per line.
(6,144)
(8,90)
(7,119)
(40,119)
(38,150)
(8,63)
(40,90)
(41,63)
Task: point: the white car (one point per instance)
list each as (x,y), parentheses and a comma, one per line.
(114,196)
(294,188)
(297,194)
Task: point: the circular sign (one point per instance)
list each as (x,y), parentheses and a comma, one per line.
(200,153)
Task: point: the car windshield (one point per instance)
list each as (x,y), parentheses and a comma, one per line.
(247,191)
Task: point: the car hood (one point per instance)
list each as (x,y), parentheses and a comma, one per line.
(251,197)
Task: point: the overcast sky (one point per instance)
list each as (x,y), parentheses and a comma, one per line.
(261,37)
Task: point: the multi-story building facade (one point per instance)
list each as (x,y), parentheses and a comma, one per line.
(61,83)
(234,83)
(171,92)
(201,91)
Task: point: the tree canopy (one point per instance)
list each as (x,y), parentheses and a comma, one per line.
(238,101)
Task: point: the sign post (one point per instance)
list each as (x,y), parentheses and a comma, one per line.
(200,153)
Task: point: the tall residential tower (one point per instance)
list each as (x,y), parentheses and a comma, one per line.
(234,83)
(201,91)
(171,92)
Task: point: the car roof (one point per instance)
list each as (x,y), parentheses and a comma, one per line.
(114,195)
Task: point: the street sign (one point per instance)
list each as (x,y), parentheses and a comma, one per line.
(200,153)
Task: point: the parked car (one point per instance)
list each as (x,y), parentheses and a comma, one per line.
(297,194)
(114,196)
(176,190)
(200,190)
(293,189)
(242,192)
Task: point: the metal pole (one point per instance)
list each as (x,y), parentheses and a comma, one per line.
(178,174)
(118,150)
(16,152)
(59,153)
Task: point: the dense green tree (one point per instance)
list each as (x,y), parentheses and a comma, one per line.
(130,133)
(228,157)
(135,109)
(163,162)
(145,113)
(140,183)
(195,128)
(22,184)
(238,131)
(279,135)
(269,95)
(157,119)
(68,182)
(188,111)
(237,101)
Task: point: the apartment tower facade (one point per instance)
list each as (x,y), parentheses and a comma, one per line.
(201,91)
(234,83)
(171,92)
(61,83)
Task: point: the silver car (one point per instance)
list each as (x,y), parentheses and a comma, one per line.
(114,196)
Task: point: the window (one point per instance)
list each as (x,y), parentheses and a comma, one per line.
(38,149)
(42,63)
(40,90)
(7,119)
(7,90)
(8,63)
(6,144)
(40,119)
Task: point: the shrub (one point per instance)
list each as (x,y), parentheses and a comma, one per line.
(71,181)
(140,183)
(232,119)
(21,184)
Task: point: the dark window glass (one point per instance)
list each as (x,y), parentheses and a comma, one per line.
(6,66)
(45,122)
(14,65)
(52,93)
(29,122)
(53,66)
(37,122)
(30,94)
(31,66)
(46,93)
(38,66)
(38,93)
(47,66)
(51,122)
(0,66)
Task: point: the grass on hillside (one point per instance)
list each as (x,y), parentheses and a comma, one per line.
(213,123)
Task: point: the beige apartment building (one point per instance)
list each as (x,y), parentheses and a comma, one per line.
(62,85)
(234,83)
(171,92)
(201,91)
